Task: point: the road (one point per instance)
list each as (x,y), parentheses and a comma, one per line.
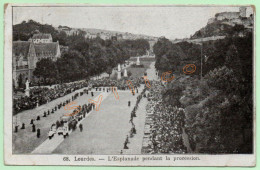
(151,73)
(25,141)
(48,145)
(105,130)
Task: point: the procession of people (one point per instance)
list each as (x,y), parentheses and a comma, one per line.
(42,95)
(167,121)
(76,116)
(119,84)
(167,124)
(132,131)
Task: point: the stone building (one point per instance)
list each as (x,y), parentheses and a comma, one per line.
(232,15)
(26,54)
(243,17)
(227,15)
(41,38)
(242,11)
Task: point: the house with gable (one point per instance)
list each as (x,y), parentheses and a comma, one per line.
(26,54)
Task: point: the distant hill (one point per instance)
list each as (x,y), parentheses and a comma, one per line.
(95,31)
(25,30)
(213,29)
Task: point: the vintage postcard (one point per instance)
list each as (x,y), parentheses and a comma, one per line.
(129,85)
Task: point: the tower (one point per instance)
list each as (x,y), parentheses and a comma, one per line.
(242,11)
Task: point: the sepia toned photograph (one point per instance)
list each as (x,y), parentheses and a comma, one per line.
(129,85)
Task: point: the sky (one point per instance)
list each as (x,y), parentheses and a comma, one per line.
(171,22)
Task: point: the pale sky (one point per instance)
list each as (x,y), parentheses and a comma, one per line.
(171,22)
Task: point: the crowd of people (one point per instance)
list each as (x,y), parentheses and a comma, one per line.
(132,116)
(122,84)
(74,118)
(166,127)
(43,95)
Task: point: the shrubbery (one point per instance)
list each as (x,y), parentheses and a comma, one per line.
(218,108)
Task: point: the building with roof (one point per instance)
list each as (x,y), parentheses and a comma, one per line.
(26,54)
(41,38)
(69,31)
(243,13)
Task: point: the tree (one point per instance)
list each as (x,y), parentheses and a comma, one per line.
(20,81)
(71,66)
(45,68)
(109,70)
(168,55)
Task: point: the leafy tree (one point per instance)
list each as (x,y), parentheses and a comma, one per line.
(168,55)
(71,66)
(46,69)
(109,70)
(20,81)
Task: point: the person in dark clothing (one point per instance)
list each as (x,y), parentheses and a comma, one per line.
(38,118)
(129,103)
(31,121)
(92,93)
(16,129)
(125,145)
(48,112)
(131,133)
(23,126)
(81,127)
(44,114)
(38,133)
(134,130)
(131,120)
(33,128)
(61,123)
(57,124)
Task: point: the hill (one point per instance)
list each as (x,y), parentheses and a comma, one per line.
(25,30)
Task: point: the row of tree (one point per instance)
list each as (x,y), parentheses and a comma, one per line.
(88,57)
(85,57)
(219,108)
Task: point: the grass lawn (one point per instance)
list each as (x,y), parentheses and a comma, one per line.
(136,72)
(139,72)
